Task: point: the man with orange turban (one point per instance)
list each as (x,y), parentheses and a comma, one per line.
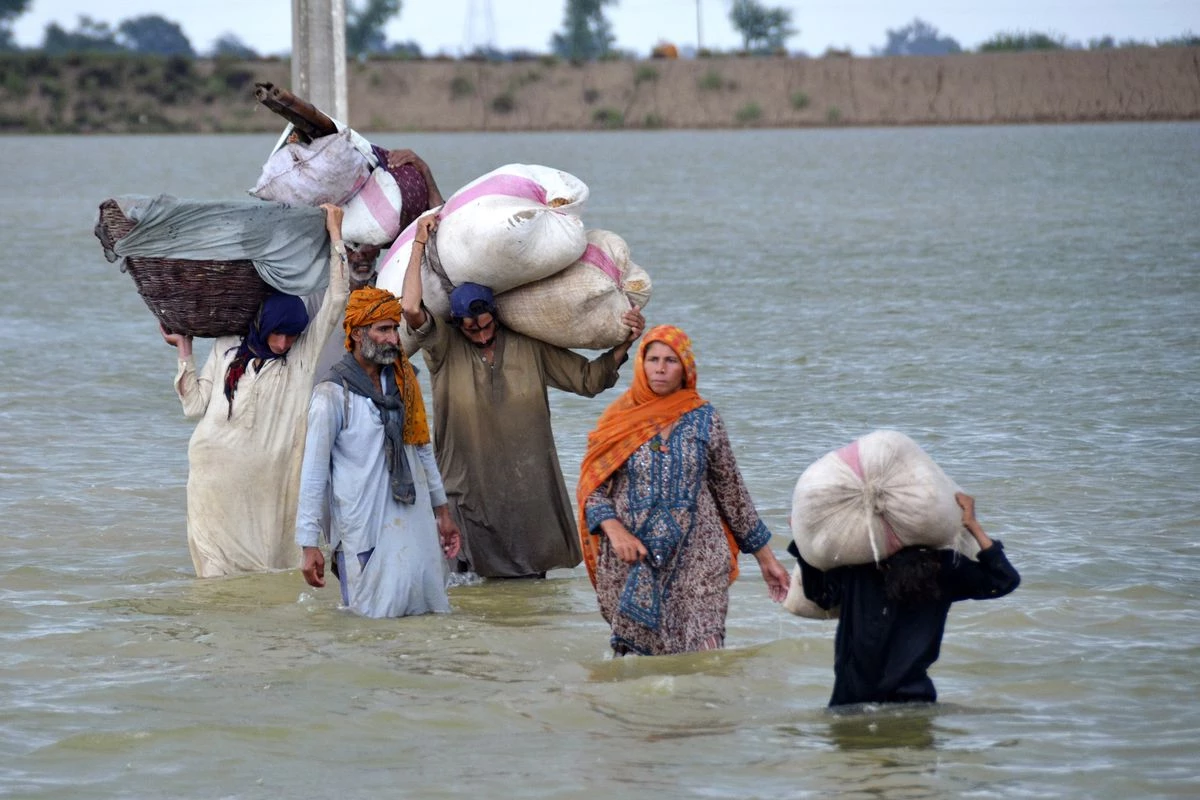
(370,470)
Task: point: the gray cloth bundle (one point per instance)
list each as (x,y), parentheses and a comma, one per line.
(289,246)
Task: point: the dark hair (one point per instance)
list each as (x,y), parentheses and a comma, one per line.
(910,576)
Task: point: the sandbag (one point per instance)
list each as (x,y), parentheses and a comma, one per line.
(515,225)
(862,503)
(327,170)
(581,306)
(797,603)
(372,214)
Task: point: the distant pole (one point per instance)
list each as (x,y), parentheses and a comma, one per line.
(699,29)
(319,55)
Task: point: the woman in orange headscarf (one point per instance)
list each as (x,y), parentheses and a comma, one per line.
(663,509)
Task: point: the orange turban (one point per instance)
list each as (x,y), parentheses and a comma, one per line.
(367,306)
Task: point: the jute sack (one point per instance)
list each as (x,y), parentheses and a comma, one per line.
(514,225)
(862,503)
(581,306)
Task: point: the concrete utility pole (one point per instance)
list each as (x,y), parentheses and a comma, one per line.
(319,55)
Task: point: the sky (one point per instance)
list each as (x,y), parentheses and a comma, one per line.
(455,27)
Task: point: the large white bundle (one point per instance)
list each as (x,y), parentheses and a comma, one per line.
(327,170)
(391,277)
(372,214)
(862,503)
(581,306)
(514,225)
(797,603)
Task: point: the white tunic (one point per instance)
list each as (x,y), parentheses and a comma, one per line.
(244,469)
(346,499)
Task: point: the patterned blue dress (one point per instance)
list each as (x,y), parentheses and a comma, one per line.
(672,495)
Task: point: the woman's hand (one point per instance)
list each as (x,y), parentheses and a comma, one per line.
(625,545)
(967,504)
(777,577)
(333,221)
(180,341)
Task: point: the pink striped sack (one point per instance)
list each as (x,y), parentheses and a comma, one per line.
(581,306)
(515,225)
(862,503)
(372,215)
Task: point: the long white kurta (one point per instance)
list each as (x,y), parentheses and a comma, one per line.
(244,469)
(392,563)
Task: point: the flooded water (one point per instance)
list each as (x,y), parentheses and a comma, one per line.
(1022,301)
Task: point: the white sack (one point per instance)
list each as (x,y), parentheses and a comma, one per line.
(514,225)
(328,170)
(797,603)
(862,503)
(391,278)
(581,306)
(372,215)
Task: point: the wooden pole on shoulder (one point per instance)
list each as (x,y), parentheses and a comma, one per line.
(319,55)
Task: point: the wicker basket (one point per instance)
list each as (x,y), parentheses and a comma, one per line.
(197,298)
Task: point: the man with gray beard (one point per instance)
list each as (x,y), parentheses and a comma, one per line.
(369,485)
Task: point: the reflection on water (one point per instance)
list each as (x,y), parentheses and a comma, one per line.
(883,728)
(1022,301)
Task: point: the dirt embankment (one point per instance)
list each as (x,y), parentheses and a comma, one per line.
(1066,86)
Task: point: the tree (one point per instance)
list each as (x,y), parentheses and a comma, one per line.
(154,35)
(365,23)
(9,11)
(91,36)
(1020,42)
(919,38)
(228,45)
(763,29)
(586,33)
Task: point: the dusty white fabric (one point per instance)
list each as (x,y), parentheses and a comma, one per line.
(244,468)
(860,504)
(346,500)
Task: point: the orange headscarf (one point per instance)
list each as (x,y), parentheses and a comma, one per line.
(630,421)
(367,306)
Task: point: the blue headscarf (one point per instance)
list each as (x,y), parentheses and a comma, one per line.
(279,313)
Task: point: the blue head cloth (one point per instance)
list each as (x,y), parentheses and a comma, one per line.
(471,300)
(280,313)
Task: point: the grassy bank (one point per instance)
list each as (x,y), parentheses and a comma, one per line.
(130,94)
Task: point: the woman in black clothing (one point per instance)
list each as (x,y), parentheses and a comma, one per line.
(893,614)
